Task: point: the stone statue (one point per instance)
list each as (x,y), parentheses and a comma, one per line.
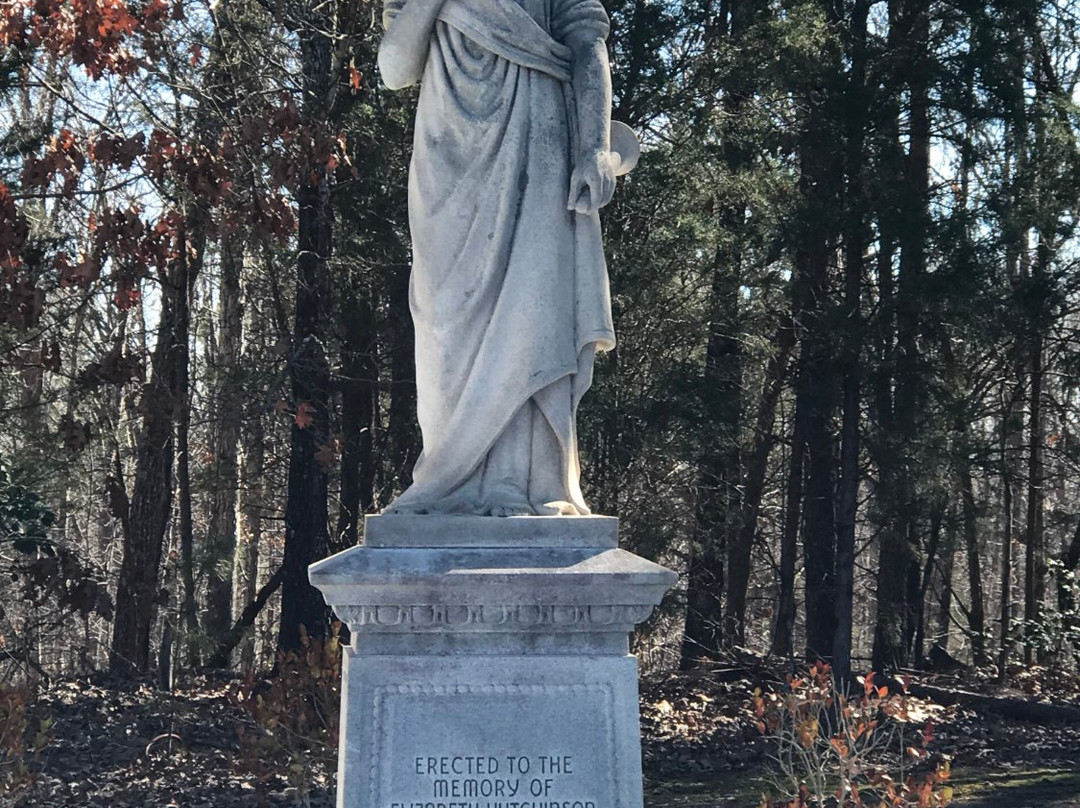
(514,155)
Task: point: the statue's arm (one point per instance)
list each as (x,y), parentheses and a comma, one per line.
(592,182)
(404,47)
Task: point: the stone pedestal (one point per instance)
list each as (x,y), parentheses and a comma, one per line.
(489,665)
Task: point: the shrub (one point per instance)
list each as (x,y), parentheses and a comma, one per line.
(20,739)
(839,750)
(295,716)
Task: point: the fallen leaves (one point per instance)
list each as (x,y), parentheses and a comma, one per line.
(113,745)
(691,725)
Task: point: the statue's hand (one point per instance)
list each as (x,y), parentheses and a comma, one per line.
(404,47)
(592,183)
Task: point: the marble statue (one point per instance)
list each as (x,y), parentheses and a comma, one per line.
(514,155)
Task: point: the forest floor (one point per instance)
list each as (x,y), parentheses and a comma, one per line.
(127,745)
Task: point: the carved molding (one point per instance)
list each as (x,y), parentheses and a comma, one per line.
(412,617)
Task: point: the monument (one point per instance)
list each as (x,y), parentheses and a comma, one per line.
(489,611)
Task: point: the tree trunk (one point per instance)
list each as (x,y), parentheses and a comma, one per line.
(703,633)
(819,531)
(945,587)
(782,644)
(929,564)
(228,404)
(739,555)
(898,567)
(249,534)
(359,399)
(854,245)
(137,595)
(817,387)
(1009,438)
(817,383)
(1017,261)
(720,470)
(307,536)
(717,497)
(976,611)
(402,436)
(1015,708)
(238,27)
(718,510)
(185,524)
(1070,562)
(244,621)
(1034,556)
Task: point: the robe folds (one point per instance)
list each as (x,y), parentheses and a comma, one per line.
(509,289)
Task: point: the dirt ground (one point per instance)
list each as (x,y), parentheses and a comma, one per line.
(119,745)
(974,788)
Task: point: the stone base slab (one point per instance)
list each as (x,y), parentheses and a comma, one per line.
(502,732)
(463,530)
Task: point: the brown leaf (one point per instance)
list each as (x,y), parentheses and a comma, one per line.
(305,415)
(326,457)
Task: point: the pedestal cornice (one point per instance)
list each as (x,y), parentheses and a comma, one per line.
(571,581)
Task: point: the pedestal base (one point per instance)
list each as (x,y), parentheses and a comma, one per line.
(489,669)
(502,732)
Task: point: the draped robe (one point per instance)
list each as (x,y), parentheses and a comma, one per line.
(509,289)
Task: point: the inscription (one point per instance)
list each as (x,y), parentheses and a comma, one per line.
(469,745)
(510,781)
(511,804)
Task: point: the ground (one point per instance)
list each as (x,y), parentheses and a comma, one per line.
(119,744)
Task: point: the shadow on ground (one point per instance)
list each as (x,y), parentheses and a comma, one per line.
(974,788)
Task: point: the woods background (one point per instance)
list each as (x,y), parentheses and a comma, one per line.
(845,283)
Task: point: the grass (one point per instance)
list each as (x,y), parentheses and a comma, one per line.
(974,788)
(1035,788)
(735,789)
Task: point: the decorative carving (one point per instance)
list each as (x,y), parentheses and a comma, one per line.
(496,617)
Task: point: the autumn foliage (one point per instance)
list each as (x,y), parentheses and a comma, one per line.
(849,750)
(294,715)
(22,738)
(95,34)
(203,175)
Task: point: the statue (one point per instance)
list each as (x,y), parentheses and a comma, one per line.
(514,155)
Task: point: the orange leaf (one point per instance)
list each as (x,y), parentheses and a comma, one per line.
(355,77)
(808,731)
